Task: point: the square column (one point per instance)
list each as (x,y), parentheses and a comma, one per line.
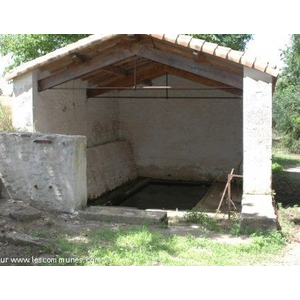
(257,208)
(24,94)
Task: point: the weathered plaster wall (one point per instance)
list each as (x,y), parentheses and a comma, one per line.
(48,171)
(109,166)
(183,139)
(67,111)
(24,90)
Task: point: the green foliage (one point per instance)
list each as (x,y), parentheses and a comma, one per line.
(277,168)
(234,41)
(5,119)
(291,57)
(286,112)
(201,218)
(25,47)
(288,218)
(285,160)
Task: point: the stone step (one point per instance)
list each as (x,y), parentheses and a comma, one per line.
(115,214)
(23,239)
(26,214)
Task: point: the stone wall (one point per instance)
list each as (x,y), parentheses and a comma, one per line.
(47,171)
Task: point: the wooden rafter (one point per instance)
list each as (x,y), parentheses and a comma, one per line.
(203,80)
(115,70)
(188,65)
(155,71)
(78,70)
(107,80)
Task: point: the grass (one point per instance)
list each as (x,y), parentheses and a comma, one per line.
(198,217)
(289,218)
(282,159)
(139,246)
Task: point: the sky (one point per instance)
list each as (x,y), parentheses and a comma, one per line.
(267,46)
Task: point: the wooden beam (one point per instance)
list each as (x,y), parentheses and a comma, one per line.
(115,70)
(154,72)
(106,81)
(189,65)
(203,80)
(78,57)
(78,70)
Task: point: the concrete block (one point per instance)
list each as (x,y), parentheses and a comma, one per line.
(258,213)
(45,171)
(124,215)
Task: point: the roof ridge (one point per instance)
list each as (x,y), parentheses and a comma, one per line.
(239,57)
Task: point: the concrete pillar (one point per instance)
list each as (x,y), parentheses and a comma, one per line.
(24,94)
(257,208)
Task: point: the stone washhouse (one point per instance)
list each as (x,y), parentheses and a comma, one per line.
(107,109)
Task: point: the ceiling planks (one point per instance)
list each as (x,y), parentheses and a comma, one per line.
(154,71)
(78,70)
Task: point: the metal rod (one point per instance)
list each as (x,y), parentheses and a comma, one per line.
(146,88)
(134,73)
(162,97)
(167,84)
(229,194)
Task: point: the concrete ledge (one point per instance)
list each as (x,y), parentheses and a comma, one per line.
(123,215)
(258,213)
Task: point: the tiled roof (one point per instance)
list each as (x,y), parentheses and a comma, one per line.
(229,54)
(241,58)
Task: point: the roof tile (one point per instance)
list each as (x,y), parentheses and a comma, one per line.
(183,40)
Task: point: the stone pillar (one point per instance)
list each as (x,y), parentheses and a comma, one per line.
(257,209)
(24,93)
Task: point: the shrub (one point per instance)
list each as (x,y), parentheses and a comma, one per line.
(277,168)
(5,119)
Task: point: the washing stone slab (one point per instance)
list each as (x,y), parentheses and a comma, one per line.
(114,214)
